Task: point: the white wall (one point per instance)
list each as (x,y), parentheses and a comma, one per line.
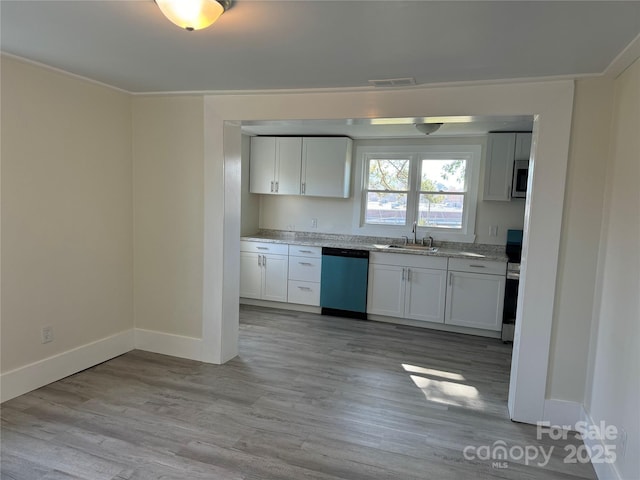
(168,146)
(613,394)
(581,223)
(337,215)
(67,253)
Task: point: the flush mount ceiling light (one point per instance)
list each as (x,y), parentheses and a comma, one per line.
(193,14)
(427,128)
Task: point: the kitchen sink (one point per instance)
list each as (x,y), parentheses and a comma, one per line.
(413,246)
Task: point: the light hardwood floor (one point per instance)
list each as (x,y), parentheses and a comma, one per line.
(309,397)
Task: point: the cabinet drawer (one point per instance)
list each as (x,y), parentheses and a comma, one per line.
(477,266)
(260,247)
(304,251)
(305,269)
(305,293)
(408,260)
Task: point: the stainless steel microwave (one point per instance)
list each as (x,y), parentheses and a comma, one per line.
(520,179)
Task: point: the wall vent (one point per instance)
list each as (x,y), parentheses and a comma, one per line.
(393,82)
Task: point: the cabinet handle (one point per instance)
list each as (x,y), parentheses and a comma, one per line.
(408,274)
(476,266)
(259,260)
(306,251)
(264,261)
(307,264)
(304,188)
(403,274)
(262,248)
(306,289)
(276,187)
(272,185)
(450,278)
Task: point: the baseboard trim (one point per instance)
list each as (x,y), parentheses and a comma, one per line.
(296,307)
(562,413)
(604,471)
(168,344)
(38,374)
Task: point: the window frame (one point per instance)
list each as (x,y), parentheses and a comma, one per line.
(472,153)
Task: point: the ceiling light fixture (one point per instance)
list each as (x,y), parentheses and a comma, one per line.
(427,128)
(193,14)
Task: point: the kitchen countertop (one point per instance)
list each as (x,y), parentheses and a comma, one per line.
(379,244)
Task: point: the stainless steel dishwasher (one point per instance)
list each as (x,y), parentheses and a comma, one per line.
(343,287)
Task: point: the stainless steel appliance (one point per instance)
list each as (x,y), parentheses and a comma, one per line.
(343,285)
(520,178)
(514,252)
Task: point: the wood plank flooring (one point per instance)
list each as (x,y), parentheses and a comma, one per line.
(308,397)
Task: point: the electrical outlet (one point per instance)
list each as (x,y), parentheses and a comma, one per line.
(47,334)
(493,230)
(314,223)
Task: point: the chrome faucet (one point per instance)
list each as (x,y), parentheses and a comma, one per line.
(414,230)
(430,244)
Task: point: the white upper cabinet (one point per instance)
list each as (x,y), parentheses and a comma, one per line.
(263,165)
(502,150)
(288,168)
(523,146)
(499,166)
(275,165)
(314,166)
(326,166)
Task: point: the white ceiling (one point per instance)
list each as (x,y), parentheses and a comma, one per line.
(267,44)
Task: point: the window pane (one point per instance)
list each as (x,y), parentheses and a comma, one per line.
(388,174)
(440,211)
(443,175)
(386,208)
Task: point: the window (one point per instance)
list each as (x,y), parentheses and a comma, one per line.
(442,193)
(432,185)
(387,191)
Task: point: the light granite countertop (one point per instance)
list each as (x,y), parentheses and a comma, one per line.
(379,244)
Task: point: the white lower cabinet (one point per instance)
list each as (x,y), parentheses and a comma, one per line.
(454,291)
(305,266)
(407,286)
(386,290)
(475,294)
(264,271)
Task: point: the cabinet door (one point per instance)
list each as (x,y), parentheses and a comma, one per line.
(263,164)
(326,170)
(498,170)
(385,294)
(274,285)
(523,146)
(289,165)
(250,275)
(475,300)
(425,297)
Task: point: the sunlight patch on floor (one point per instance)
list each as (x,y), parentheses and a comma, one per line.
(432,372)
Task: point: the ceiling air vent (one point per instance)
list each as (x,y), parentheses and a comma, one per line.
(393,82)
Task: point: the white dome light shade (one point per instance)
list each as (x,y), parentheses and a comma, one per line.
(192,14)
(427,128)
